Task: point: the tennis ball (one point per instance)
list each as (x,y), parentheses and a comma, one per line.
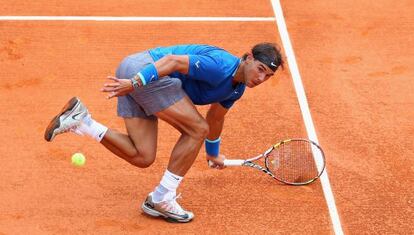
(78,159)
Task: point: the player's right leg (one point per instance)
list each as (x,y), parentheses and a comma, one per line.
(138,147)
(69,118)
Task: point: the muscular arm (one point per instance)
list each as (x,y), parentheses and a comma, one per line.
(166,65)
(172,63)
(215,120)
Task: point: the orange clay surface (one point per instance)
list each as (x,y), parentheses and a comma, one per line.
(356,60)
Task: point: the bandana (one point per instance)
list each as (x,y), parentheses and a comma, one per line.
(270,62)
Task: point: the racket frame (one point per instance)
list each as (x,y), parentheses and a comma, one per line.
(250,162)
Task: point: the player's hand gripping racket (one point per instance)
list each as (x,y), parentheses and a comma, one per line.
(292,161)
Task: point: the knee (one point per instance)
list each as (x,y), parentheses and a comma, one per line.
(145,163)
(201,130)
(142,160)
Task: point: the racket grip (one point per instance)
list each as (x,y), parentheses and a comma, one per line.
(228,162)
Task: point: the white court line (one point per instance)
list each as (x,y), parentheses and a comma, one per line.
(122,18)
(303,103)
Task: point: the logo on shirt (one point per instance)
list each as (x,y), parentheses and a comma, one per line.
(152,77)
(197,64)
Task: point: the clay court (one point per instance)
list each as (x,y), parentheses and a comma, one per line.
(356,61)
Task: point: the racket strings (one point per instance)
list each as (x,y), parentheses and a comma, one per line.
(293,162)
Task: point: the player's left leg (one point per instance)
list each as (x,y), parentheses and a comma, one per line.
(185,118)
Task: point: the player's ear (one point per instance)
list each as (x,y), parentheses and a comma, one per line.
(249,57)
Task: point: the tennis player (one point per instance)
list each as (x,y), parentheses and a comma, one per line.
(167,83)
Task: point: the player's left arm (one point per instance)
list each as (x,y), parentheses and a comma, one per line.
(215,119)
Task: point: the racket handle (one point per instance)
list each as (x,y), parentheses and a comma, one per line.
(228,162)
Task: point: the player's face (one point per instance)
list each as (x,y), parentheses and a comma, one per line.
(256,73)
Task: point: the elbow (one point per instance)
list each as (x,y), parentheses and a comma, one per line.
(176,63)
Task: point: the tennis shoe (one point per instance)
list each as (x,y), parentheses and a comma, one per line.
(69,118)
(168,209)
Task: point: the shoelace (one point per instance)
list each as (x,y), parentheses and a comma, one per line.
(173,207)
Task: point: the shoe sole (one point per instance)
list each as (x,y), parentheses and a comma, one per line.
(155,213)
(55,123)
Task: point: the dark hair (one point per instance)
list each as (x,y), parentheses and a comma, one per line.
(267,53)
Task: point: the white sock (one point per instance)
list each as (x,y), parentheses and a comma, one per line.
(167,188)
(92,128)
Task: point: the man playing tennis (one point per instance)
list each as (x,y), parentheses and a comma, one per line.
(167,83)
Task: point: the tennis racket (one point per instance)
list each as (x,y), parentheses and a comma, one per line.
(291,161)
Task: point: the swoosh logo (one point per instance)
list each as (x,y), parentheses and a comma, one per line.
(150,205)
(100,135)
(75,115)
(197,64)
(175,178)
(185,216)
(273,64)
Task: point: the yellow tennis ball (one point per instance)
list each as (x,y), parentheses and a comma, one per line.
(78,159)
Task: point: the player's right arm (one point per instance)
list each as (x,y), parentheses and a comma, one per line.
(164,66)
(172,63)
(200,67)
